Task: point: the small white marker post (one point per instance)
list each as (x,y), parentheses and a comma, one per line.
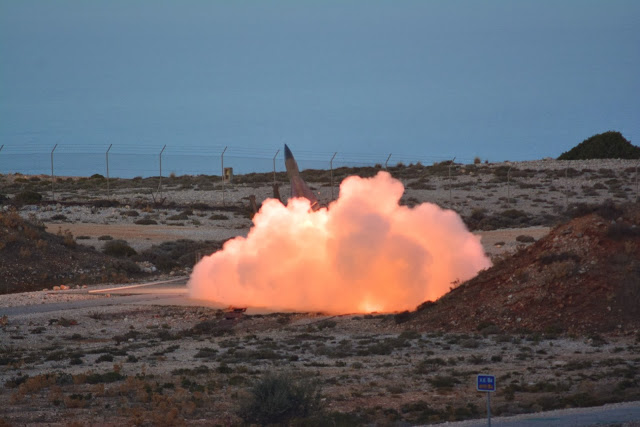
(486,384)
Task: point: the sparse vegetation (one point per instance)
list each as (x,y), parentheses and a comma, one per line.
(279,399)
(362,362)
(179,253)
(146,221)
(118,248)
(27,197)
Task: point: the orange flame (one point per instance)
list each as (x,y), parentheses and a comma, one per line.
(364,253)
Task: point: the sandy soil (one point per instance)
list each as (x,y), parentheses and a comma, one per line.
(140,237)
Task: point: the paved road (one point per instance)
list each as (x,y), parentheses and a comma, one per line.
(166,292)
(617,414)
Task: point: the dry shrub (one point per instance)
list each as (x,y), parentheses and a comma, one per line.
(55,394)
(630,247)
(67,238)
(10,219)
(33,385)
(562,270)
(77,401)
(620,231)
(31,233)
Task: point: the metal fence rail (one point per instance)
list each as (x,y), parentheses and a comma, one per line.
(147,161)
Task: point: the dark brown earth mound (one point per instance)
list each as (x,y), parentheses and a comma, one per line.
(583,277)
(31,258)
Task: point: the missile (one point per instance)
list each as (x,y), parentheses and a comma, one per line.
(299,188)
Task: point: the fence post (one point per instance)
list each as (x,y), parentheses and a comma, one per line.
(385,163)
(222,173)
(160,181)
(107,156)
(274,166)
(53,193)
(331,165)
(1,147)
(450,193)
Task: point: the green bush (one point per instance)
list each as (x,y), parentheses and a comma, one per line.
(178,217)
(102,203)
(403,317)
(107,377)
(620,231)
(443,381)
(178,253)
(146,221)
(279,398)
(607,145)
(118,248)
(218,217)
(28,197)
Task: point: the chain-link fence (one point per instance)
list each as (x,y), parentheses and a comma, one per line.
(146,161)
(459,185)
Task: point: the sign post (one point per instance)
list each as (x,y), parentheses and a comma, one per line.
(487,384)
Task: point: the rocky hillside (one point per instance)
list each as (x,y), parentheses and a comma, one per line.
(31,258)
(582,277)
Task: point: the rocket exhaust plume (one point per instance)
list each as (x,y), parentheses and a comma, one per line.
(363,253)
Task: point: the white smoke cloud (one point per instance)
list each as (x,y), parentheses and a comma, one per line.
(364,253)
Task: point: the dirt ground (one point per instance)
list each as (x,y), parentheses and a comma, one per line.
(495,242)
(144,364)
(102,359)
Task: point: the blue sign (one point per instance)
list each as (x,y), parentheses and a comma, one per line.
(486,383)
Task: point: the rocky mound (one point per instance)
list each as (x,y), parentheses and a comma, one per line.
(607,145)
(31,258)
(583,277)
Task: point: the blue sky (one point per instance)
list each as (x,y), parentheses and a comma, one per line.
(502,80)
